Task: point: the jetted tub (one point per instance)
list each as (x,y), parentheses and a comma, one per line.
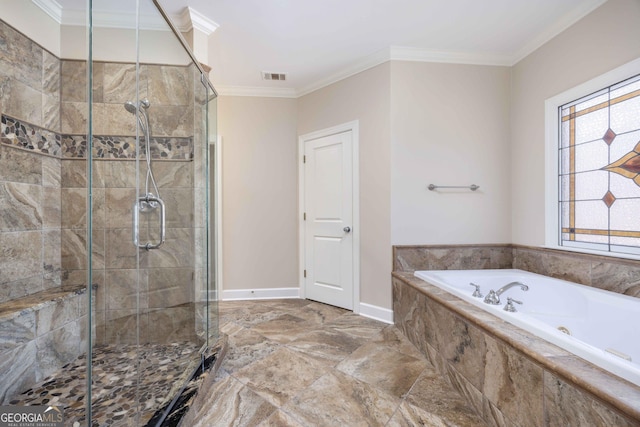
(600,326)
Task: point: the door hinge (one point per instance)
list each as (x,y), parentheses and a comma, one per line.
(304,159)
(304,216)
(305,273)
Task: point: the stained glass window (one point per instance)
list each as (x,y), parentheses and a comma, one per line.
(599,164)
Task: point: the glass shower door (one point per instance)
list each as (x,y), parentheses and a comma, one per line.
(150,122)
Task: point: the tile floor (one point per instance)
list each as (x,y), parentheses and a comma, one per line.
(301,363)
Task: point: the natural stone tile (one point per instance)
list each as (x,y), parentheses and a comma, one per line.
(179,207)
(119,207)
(74,207)
(173,174)
(170,286)
(283,328)
(73,77)
(20,207)
(319,313)
(280,419)
(18,370)
(25,258)
(120,174)
(50,74)
(58,347)
(51,172)
(20,57)
(326,345)
(410,258)
(171,324)
(357,326)
(468,258)
(509,377)
(73,117)
(168,85)
(125,289)
(54,316)
(246,347)
(351,403)
(232,404)
(472,396)
(73,174)
(114,119)
(120,251)
(98,81)
(20,287)
(74,249)
(408,416)
(119,85)
(391,337)
(17,330)
(51,113)
(386,369)
(20,166)
(51,258)
(620,278)
(280,376)
(565,405)
(20,101)
(432,394)
(177,251)
(171,120)
(463,345)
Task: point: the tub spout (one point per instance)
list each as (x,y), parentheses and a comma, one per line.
(493,297)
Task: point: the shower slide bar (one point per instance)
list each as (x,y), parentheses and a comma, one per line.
(471,187)
(138,206)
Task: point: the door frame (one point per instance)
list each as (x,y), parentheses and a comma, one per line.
(352,126)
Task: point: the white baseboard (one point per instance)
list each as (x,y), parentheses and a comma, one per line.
(377,313)
(269,293)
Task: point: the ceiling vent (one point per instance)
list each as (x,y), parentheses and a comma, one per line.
(266,75)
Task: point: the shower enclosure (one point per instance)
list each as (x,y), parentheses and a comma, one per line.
(107,291)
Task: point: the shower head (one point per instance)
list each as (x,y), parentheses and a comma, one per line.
(130,107)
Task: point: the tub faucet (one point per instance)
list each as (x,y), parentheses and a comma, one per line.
(493,297)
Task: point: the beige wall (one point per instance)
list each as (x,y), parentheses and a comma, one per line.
(259,191)
(363,97)
(602,41)
(449,126)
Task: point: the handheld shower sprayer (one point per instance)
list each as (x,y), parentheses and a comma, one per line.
(140,111)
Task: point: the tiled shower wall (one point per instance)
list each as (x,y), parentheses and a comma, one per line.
(43,182)
(29,183)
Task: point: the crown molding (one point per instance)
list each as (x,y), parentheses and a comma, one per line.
(401,53)
(265,92)
(192,19)
(359,66)
(51,8)
(567,21)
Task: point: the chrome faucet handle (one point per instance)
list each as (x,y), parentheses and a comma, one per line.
(492,298)
(509,305)
(477,292)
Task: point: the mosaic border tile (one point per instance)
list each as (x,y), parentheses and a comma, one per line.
(18,133)
(21,134)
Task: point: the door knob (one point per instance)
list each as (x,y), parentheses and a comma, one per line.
(347,229)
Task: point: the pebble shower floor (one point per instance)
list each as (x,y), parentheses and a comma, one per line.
(116,382)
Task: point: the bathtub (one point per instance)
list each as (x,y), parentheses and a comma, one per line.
(599,326)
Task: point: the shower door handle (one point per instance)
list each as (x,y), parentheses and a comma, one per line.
(136,222)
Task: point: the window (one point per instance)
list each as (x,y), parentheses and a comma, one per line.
(598,172)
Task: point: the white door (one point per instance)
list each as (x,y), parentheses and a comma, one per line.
(328,209)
